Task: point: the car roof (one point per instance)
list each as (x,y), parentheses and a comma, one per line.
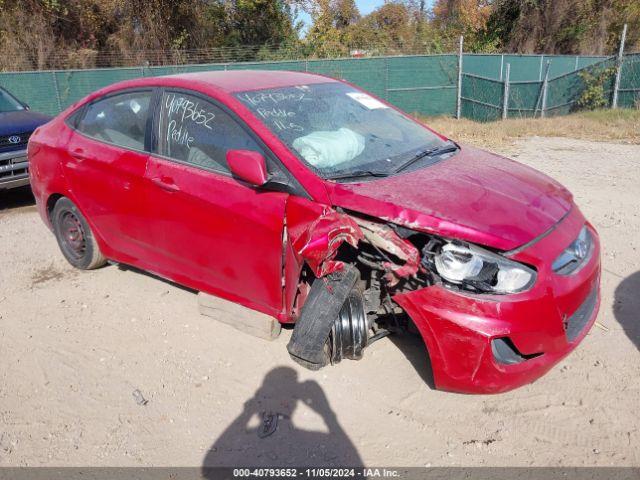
(233,81)
(224,81)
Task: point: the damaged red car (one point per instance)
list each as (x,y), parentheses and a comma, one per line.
(314,203)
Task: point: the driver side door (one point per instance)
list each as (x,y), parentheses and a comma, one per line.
(212,232)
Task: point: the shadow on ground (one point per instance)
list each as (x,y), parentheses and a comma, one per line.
(264,434)
(626,307)
(129,268)
(16,198)
(412,347)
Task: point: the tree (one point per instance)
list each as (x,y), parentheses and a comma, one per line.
(345,13)
(329,32)
(386,29)
(463,17)
(562,26)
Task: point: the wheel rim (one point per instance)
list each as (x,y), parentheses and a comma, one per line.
(73,235)
(349,334)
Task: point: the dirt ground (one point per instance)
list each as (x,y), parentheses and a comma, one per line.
(74,346)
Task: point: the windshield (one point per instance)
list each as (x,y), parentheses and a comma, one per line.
(338,130)
(8,103)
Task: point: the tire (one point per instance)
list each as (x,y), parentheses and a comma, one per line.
(311,344)
(75,238)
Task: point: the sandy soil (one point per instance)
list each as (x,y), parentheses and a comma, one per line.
(75,345)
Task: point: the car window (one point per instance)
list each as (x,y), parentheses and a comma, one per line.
(8,103)
(119,119)
(195,131)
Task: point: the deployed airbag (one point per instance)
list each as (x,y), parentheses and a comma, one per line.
(331,148)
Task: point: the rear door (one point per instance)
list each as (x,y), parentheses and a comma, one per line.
(215,233)
(105,164)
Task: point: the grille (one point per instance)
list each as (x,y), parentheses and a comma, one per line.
(577,321)
(15,140)
(13,169)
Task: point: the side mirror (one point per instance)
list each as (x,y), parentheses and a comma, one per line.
(249,166)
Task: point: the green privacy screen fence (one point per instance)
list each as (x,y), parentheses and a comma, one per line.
(525,67)
(425,85)
(421,84)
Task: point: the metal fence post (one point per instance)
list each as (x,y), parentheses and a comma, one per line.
(540,69)
(505,93)
(616,87)
(386,78)
(459,97)
(545,87)
(57,89)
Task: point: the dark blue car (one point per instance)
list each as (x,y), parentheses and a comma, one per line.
(17,124)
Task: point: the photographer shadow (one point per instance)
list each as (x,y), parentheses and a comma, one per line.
(264,435)
(627,306)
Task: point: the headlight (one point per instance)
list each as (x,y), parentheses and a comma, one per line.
(472,266)
(574,256)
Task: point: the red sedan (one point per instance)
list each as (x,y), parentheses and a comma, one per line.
(314,203)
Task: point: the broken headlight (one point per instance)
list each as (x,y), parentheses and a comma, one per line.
(478,269)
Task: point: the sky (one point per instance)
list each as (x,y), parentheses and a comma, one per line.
(368,6)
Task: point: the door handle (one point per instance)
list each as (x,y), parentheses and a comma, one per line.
(78,154)
(166,183)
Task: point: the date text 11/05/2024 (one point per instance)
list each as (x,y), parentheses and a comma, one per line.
(316,473)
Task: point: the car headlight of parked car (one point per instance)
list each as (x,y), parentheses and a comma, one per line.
(575,255)
(477,269)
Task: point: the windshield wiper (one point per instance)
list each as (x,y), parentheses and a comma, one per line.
(431,152)
(358,174)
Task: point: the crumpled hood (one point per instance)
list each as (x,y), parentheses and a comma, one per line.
(22,121)
(474,195)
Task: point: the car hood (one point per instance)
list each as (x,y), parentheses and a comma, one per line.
(473,195)
(22,121)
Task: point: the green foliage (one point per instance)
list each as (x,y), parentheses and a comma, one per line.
(562,26)
(596,82)
(39,34)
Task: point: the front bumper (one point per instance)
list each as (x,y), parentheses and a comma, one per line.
(542,325)
(14,169)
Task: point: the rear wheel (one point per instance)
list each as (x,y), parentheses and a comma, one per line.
(75,238)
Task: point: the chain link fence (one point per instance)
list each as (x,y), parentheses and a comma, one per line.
(630,82)
(487,99)
(423,84)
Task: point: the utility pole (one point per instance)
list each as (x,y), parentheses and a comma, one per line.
(620,61)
